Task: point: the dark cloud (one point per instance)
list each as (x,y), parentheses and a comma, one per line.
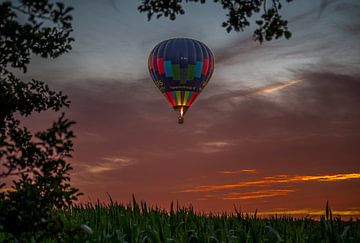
(235,48)
(352,26)
(324,4)
(134,118)
(128,140)
(334,94)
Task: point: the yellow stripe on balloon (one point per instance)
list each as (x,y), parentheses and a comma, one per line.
(178,97)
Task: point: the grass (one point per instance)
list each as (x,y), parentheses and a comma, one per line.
(139,223)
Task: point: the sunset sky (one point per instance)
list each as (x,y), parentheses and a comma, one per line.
(277,129)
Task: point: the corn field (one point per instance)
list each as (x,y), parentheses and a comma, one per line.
(139,223)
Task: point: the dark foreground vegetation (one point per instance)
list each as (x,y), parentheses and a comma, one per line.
(139,223)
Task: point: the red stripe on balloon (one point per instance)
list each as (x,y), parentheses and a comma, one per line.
(153,61)
(150,61)
(193,96)
(170,98)
(205,66)
(160,65)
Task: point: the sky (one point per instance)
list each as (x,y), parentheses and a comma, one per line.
(277,129)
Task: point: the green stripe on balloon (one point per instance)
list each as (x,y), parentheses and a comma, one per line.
(183,75)
(191,72)
(176,71)
(178,97)
(186,98)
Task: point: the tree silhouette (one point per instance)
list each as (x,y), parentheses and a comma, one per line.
(35,162)
(270,25)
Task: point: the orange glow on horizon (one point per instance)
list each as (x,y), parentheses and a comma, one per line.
(311,212)
(275,180)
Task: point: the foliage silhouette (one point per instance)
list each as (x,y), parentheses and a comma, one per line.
(35,162)
(270,25)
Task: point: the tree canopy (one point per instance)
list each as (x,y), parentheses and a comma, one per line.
(35,161)
(270,24)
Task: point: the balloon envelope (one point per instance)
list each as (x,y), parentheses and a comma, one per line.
(181,68)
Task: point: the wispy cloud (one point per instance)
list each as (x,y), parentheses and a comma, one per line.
(124,161)
(111,163)
(279,179)
(266,90)
(238,96)
(335,177)
(276,87)
(257,194)
(248,195)
(214,146)
(236,171)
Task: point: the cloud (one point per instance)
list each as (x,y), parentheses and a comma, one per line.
(245,50)
(352,26)
(324,4)
(239,96)
(120,160)
(279,179)
(276,87)
(266,89)
(236,171)
(109,164)
(325,178)
(257,194)
(323,103)
(329,94)
(312,123)
(213,147)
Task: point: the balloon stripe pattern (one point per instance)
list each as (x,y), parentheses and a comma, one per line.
(181,69)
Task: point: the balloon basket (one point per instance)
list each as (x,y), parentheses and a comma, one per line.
(181,120)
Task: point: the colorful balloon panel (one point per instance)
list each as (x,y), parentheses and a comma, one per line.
(181,68)
(180,98)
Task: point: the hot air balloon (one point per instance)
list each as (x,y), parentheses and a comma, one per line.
(181,68)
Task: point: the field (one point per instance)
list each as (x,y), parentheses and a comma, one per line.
(139,223)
